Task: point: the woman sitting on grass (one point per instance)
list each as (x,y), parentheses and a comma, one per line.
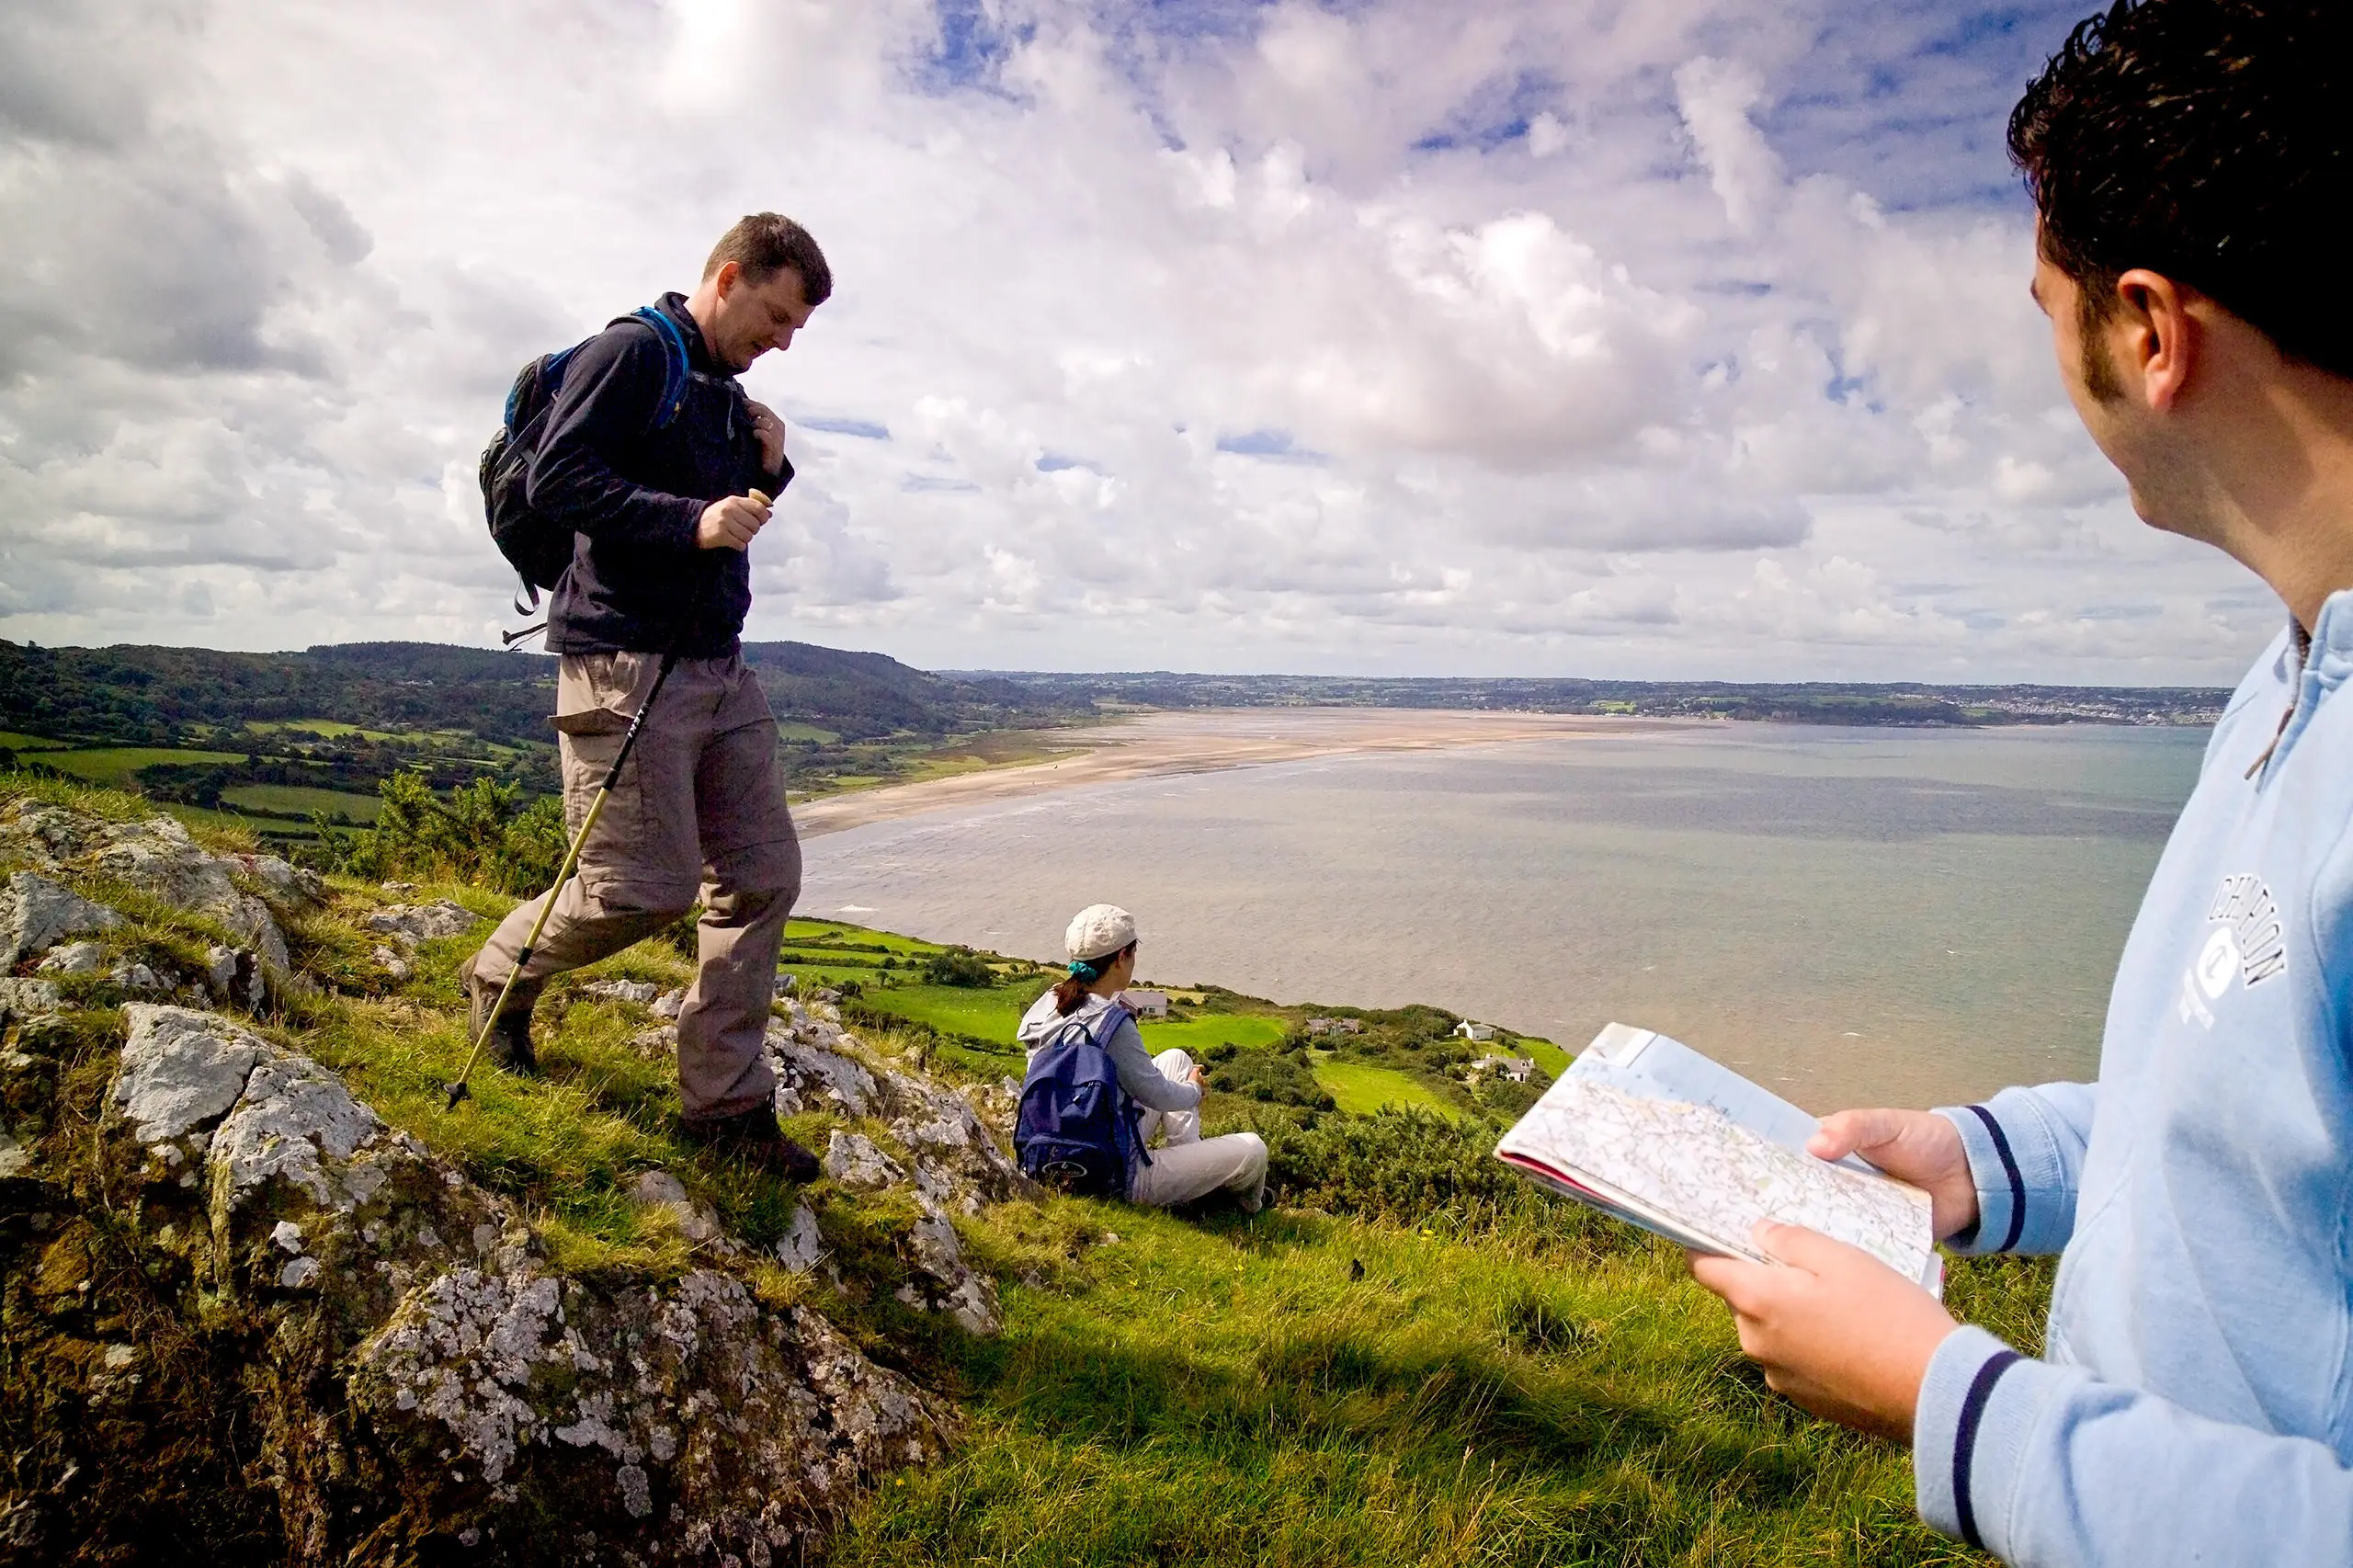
(1102,946)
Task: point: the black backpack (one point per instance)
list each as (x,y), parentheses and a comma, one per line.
(537,546)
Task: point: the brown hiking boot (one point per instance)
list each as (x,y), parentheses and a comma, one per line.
(509,1045)
(754,1136)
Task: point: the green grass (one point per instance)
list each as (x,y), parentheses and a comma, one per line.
(326,729)
(792,730)
(14,742)
(1300,1390)
(958,1009)
(1252,1031)
(1360,1089)
(1550,1057)
(113,766)
(298,799)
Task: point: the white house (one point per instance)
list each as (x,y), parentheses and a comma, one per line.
(1516,1068)
(1475,1033)
(1146,1004)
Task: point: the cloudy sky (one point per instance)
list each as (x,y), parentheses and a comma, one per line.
(1661,338)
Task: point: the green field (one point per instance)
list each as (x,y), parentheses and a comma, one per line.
(957,1009)
(300,800)
(16,743)
(1550,1057)
(326,729)
(792,730)
(113,766)
(1363,1090)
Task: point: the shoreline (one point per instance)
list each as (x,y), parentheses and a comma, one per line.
(1210,740)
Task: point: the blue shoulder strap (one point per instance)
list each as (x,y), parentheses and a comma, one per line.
(674,381)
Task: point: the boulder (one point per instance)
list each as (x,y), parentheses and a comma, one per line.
(418,1374)
(157,856)
(30,996)
(409,924)
(233,976)
(74,958)
(852,1159)
(815,1076)
(36,913)
(802,1247)
(660,1189)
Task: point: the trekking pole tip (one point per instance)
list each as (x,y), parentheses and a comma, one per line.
(456,1092)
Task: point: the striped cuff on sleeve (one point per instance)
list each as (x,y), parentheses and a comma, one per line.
(1956,1471)
(2026,1199)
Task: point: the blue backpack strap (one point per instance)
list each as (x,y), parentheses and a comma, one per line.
(674,381)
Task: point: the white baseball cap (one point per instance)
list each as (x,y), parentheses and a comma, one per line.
(1098,931)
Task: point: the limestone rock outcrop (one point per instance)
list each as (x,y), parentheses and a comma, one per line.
(422,1383)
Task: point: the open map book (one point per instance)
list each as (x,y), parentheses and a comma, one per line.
(1653,1132)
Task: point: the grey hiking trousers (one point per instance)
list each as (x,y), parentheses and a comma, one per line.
(700,809)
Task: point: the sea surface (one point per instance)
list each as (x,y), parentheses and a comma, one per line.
(1848,915)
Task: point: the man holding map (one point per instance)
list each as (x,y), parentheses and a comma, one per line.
(2191,165)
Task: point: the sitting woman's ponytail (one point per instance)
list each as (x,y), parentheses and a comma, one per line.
(1069,993)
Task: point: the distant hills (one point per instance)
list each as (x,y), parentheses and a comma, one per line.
(130,694)
(1808,702)
(163,696)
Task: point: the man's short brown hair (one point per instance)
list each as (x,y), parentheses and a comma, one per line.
(766,243)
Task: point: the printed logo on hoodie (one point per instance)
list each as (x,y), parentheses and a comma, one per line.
(2248,941)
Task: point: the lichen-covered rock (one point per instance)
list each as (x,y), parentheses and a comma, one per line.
(181,1071)
(660,1189)
(157,855)
(739,1427)
(74,958)
(817,1076)
(424,1373)
(23,996)
(410,924)
(802,1246)
(941,1127)
(233,975)
(35,913)
(638,991)
(852,1159)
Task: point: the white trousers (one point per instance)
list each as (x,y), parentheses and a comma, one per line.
(1187,1165)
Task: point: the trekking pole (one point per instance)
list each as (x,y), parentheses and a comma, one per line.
(458,1091)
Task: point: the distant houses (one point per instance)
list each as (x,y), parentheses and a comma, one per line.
(1478,1034)
(1334,1026)
(1146,1004)
(1515,1068)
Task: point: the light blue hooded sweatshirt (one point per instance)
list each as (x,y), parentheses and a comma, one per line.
(2194,1403)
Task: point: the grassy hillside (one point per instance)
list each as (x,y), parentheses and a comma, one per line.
(1412,1357)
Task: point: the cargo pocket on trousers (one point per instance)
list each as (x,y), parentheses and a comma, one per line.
(597,693)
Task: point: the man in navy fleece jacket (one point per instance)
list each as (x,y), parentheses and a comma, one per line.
(2192,166)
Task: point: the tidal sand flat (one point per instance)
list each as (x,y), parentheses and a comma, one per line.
(1161,744)
(1848,915)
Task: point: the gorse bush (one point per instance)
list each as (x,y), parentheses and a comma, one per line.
(1267,1076)
(958,966)
(479,834)
(1398,1164)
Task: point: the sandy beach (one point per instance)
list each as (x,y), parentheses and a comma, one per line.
(1162,744)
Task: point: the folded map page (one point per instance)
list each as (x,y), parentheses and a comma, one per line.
(1653,1132)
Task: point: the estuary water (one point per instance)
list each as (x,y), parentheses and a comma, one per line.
(1847,915)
